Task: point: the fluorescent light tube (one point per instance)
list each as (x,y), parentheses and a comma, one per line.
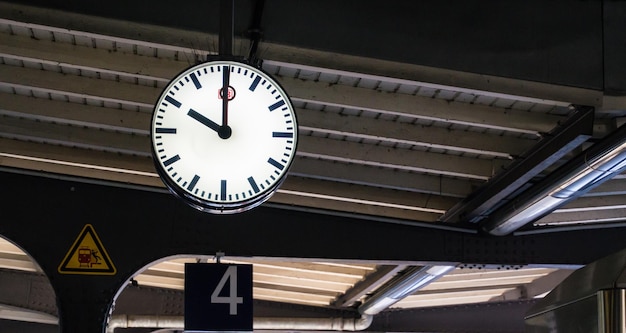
(594,166)
(410,281)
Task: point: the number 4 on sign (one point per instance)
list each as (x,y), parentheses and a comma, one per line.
(232,299)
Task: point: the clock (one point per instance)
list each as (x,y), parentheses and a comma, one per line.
(224,134)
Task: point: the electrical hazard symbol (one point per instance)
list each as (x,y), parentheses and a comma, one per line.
(87,256)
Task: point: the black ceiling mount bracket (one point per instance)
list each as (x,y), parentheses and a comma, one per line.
(227,20)
(255,33)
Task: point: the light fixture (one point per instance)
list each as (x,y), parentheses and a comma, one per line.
(591,168)
(562,140)
(413,279)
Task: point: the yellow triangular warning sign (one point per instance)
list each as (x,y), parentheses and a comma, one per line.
(87,256)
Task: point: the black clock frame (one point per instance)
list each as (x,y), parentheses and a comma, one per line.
(205,205)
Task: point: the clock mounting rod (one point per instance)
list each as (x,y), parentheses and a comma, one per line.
(255,32)
(227,20)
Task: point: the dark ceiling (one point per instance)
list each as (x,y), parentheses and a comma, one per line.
(421,123)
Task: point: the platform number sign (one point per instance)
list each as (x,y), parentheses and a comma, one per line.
(218,297)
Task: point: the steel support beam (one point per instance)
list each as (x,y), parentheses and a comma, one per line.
(26,290)
(44,216)
(12,326)
(370,282)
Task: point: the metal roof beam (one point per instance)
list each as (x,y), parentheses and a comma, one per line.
(143,97)
(127,131)
(615,186)
(535,288)
(494,146)
(140,171)
(483,116)
(194,41)
(304,191)
(367,285)
(595,215)
(84,58)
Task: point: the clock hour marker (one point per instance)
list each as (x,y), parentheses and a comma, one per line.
(193,183)
(171,160)
(275,163)
(165,130)
(255,83)
(253,184)
(276,105)
(223,190)
(282,134)
(194,78)
(172,101)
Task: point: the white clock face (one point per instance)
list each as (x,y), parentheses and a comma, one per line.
(223,150)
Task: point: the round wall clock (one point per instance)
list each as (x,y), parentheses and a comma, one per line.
(224,134)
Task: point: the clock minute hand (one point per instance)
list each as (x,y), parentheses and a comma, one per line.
(225,131)
(225,91)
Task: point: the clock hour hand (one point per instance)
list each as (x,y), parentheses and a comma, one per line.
(223,131)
